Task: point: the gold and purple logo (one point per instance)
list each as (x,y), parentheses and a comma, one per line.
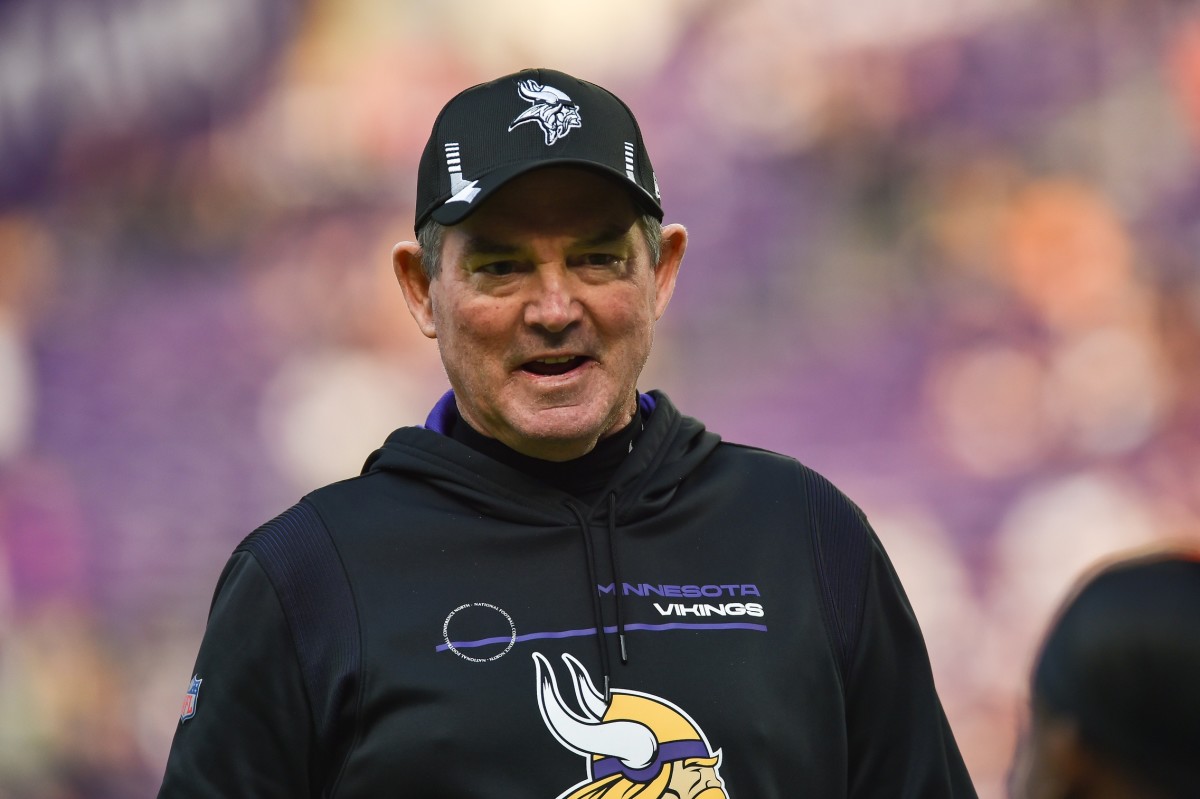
(634,743)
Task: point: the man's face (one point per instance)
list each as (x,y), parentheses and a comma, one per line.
(544,310)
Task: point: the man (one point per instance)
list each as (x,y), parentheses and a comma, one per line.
(730,623)
(1116,703)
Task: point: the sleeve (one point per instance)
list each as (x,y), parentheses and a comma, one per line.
(900,743)
(250,731)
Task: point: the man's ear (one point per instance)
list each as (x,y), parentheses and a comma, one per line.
(666,271)
(410,274)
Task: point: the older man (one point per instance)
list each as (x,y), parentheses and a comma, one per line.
(394,633)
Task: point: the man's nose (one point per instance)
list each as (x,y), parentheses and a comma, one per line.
(552,305)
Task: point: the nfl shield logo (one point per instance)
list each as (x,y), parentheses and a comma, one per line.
(189,700)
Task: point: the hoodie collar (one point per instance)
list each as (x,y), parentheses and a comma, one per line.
(669,448)
(585,477)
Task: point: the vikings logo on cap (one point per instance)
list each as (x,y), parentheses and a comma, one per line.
(190,699)
(635,743)
(552,110)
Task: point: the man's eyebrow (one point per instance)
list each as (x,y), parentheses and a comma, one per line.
(481,245)
(476,245)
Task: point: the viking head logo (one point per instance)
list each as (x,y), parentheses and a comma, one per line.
(552,110)
(638,746)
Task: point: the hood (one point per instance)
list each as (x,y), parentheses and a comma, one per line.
(669,448)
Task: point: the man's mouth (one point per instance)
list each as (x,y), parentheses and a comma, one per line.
(558,365)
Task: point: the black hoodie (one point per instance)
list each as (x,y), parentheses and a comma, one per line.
(432,628)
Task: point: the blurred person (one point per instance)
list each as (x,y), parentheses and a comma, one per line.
(1115,696)
(726,620)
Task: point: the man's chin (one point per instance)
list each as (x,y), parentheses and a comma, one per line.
(554,442)
(567,432)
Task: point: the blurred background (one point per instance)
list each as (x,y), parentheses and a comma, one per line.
(943,252)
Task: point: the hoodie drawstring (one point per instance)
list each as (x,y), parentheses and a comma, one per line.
(593,586)
(617,584)
(595,594)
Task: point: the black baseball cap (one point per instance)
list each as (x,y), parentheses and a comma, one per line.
(491,133)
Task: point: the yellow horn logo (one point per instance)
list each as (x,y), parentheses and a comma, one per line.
(636,745)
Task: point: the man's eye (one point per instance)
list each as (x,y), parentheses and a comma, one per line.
(499,268)
(599,259)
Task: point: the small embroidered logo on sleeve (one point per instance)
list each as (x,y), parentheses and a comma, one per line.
(190,699)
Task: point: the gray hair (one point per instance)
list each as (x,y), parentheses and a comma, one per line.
(432,234)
